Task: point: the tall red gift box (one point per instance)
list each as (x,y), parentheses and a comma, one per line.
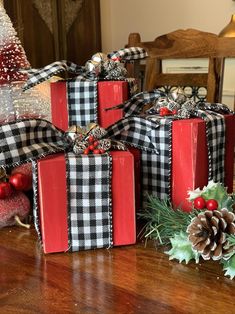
(52,201)
(190,158)
(109,94)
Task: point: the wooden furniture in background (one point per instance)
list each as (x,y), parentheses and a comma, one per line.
(53,30)
(185,44)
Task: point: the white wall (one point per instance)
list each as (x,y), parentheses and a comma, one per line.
(152,18)
(155,17)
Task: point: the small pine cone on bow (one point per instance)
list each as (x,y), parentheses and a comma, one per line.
(98,132)
(208,233)
(104,144)
(79,146)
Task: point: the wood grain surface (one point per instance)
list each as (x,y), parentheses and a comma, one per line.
(132,279)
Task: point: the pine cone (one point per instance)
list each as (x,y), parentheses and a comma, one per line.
(208,230)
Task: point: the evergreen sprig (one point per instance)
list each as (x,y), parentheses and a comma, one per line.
(231,239)
(162,221)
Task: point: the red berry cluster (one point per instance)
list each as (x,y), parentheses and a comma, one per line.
(118,59)
(164,111)
(201,203)
(16,181)
(93,147)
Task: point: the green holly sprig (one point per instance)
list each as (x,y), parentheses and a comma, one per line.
(168,226)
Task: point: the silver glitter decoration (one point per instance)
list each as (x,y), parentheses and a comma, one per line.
(7,112)
(106,68)
(93,66)
(178,95)
(31,103)
(161,102)
(99,57)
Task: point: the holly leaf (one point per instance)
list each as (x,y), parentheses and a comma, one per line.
(214,190)
(182,249)
(218,192)
(229,266)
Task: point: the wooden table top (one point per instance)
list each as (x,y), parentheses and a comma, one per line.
(131,279)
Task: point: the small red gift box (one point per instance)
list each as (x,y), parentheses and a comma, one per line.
(109,93)
(52,201)
(190,158)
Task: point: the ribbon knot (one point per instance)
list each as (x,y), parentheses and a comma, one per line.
(92,140)
(101,66)
(89,140)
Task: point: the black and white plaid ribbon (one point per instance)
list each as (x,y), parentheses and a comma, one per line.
(27,140)
(88,179)
(82,101)
(37,76)
(127,54)
(134,105)
(215,133)
(90,223)
(153,138)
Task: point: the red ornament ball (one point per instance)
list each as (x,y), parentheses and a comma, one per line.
(26,169)
(20,181)
(5,190)
(199,203)
(212,204)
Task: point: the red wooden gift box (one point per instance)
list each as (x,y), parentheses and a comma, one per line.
(190,158)
(110,93)
(52,201)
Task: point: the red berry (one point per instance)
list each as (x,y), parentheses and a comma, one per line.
(174,111)
(26,169)
(102,151)
(91,147)
(164,111)
(199,203)
(91,139)
(96,143)
(211,204)
(5,190)
(96,151)
(19,181)
(86,151)
(116,59)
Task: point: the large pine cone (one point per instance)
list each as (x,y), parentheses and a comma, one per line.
(208,230)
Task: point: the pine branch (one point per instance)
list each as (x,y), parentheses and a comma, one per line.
(231,239)
(162,221)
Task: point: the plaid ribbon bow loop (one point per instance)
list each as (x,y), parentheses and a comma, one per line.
(36,76)
(128,54)
(29,139)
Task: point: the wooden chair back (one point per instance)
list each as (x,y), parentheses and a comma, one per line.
(184,44)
